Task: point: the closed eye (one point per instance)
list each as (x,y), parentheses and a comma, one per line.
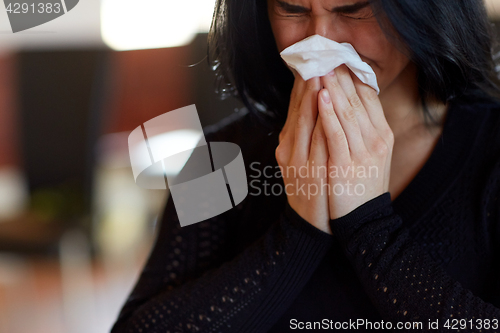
(360,10)
(360,14)
(287,8)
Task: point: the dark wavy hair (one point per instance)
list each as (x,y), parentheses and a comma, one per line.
(450,42)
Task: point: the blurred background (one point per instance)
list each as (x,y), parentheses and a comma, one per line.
(75,229)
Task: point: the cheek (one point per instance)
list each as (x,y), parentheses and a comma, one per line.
(286,34)
(384,58)
(371,45)
(392,62)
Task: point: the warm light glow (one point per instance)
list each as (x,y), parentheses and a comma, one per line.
(173,142)
(493,7)
(146,24)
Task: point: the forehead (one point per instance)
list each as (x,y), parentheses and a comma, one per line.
(319,6)
(323,3)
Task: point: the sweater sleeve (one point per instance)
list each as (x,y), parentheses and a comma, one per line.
(189,283)
(402,281)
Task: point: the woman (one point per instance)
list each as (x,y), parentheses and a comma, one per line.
(416,247)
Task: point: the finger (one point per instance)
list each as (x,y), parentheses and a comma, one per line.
(293,107)
(286,136)
(306,120)
(318,155)
(373,107)
(345,113)
(375,113)
(368,131)
(336,139)
(284,151)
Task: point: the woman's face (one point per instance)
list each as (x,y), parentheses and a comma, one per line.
(351,21)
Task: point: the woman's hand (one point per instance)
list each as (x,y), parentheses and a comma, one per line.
(359,140)
(302,149)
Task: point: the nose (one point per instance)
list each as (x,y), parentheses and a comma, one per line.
(327,26)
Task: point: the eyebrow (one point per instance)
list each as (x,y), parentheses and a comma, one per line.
(292,8)
(347,9)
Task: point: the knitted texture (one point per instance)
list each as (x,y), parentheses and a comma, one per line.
(431,254)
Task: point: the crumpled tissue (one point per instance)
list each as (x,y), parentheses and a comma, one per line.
(318,56)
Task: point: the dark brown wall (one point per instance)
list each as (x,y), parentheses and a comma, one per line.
(145,84)
(9,148)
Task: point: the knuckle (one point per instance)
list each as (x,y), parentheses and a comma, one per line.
(333,83)
(295,107)
(280,154)
(282,135)
(338,135)
(389,135)
(310,87)
(355,101)
(380,147)
(349,115)
(294,97)
(371,95)
(312,84)
(301,120)
(317,138)
(330,112)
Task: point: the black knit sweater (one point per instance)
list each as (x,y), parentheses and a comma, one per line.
(431,256)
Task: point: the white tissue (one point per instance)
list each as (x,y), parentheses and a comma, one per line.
(318,56)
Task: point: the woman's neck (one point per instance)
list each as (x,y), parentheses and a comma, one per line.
(403,107)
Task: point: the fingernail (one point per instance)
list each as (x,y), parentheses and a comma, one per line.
(332,73)
(325,96)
